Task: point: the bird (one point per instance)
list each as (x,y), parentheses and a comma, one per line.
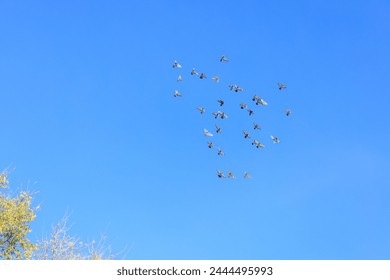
(247,175)
(256,126)
(193,72)
(287,112)
(220,153)
(255,97)
(202,76)
(177,93)
(231,87)
(215,79)
(201,109)
(207,133)
(281,86)
(216,114)
(223,115)
(258,144)
(210,144)
(275,139)
(220,174)
(243,105)
(179,79)
(221,102)
(246,134)
(231,175)
(261,102)
(223,58)
(218,129)
(176,64)
(250,112)
(237,88)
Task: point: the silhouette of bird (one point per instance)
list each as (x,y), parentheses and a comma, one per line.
(243,105)
(220,174)
(237,89)
(201,110)
(223,115)
(210,144)
(275,139)
(202,76)
(215,79)
(261,102)
(247,175)
(223,58)
(176,64)
(287,112)
(256,126)
(179,79)
(250,112)
(231,175)
(216,114)
(218,129)
(281,86)
(193,72)
(220,153)
(207,133)
(177,93)
(258,144)
(231,87)
(246,134)
(221,102)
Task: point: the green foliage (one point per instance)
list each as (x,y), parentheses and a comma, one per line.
(16,213)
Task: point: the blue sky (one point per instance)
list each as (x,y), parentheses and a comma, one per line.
(90,122)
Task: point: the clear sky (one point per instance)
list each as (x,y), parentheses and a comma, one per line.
(89,120)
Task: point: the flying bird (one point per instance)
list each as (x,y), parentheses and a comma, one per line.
(210,144)
(246,134)
(177,93)
(223,58)
(201,110)
(193,72)
(255,97)
(221,102)
(231,87)
(176,64)
(250,112)
(231,175)
(261,102)
(220,174)
(243,105)
(281,86)
(215,79)
(216,114)
(207,133)
(237,89)
(202,76)
(179,79)
(247,175)
(220,153)
(218,129)
(275,139)
(287,112)
(258,144)
(223,115)
(256,126)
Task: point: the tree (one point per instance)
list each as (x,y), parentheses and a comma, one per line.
(16,213)
(63,246)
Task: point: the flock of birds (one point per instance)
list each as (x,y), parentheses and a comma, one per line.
(222,115)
